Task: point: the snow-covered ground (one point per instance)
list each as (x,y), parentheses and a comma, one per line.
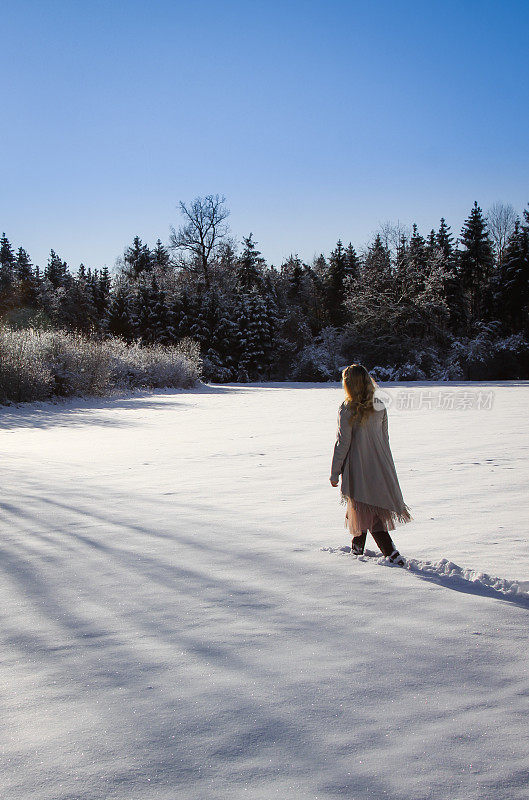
(179,618)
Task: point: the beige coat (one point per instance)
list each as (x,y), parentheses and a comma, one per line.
(362,456)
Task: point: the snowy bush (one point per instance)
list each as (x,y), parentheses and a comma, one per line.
(154,366)
(383,373)
(312,364)
(409,372)
(23,374)
(78,365)
(451,367)
(423,363)
(38,364)
(322,359)
(489,356)
(512,357)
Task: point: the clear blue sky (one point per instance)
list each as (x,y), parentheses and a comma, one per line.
(316,120)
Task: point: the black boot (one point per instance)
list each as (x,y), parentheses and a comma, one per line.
(385,542)
(358,544)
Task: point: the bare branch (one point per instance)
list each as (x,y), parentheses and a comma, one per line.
(501,219)
(203,233)
(391,234)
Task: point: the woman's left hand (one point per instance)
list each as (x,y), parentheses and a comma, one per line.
(333,483)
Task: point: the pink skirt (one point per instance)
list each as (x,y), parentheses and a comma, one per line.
(363,517)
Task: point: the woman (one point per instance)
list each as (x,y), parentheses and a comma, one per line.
(362,456)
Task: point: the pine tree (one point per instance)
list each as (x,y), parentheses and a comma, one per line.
(453,289)
(7,257)
(445,240)
(219,346)
(105,283)
(90,311)
(401,267)
(183,311)
(269,339)
(257,333)
(120,320)
(175,314)
(212,312)
(26,280)
(242,322)
(23,266)
(336,285)
(431,245)
(317,276)
(352,263)
(160,257)
(56,271)
(225,341)
(476,264)
(227,258)
(376,267)
(199,329)
(456,301)
(7,266)
(138,259)
(511,288)
(99,285)
(250,265)
(292,272)
(92,285)
(416,263)
(163,331)
(144,303)
(320,266)
(412,301)
(75,307)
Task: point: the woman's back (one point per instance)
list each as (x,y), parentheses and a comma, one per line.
(364,453)
(370,437)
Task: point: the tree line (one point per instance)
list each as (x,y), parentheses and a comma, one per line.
(408,306)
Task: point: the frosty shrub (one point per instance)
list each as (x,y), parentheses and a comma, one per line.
(39,364)
(512,357)
(453,364)
(488,356)
(410,372)
(383,373)
(79,365)
(423,363)
(322,359)
(312,364)
(154,366)
(24,375)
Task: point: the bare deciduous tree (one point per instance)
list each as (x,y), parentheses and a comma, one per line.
(501,218)
(391,234)
(202,234)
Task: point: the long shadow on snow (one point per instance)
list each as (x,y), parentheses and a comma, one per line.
(126,608)
(48,415)
(257,724)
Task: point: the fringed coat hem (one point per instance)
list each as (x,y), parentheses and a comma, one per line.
(363,517)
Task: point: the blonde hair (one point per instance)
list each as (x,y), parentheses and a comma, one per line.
(359,388)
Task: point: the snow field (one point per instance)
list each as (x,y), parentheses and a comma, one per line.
(172,626)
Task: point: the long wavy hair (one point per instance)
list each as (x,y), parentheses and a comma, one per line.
(359,388)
